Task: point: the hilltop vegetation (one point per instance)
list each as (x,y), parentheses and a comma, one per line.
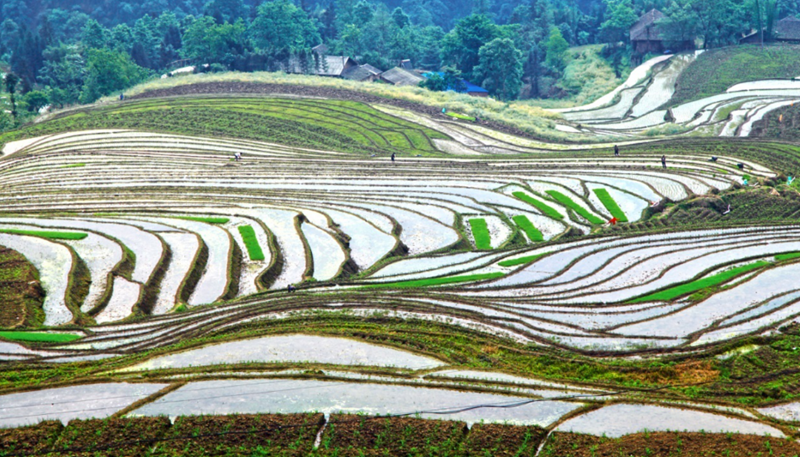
(714,71)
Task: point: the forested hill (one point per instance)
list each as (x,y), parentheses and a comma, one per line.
(109,13)
(69,51)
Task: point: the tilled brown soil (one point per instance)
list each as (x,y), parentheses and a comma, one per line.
(21,292)
(668,444)
(248,88)
(499,440)
(120,437)
(352,435)
(27,440)
(242,435)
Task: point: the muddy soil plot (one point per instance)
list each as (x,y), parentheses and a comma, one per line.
(29,440)
(111,437)
(668,444)
(352,435)
(242,435)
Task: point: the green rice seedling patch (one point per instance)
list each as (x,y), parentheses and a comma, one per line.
(435,281)
(566,201)
(251,242)
(74,165)
(522,260)
(694,286)
(47,234)
(396,139)
(207,220)
(39,336)
(480,231)
(610,204)
(527,226)
(418,139)
(548,211)
(789,256)
(463,117)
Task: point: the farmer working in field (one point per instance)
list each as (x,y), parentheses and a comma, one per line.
(616,151)
(393,157)
(664,161)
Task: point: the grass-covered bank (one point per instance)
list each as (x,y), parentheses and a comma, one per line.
(517,115)
(716,70)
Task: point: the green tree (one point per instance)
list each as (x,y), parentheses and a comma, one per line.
(620,17)
(93,35)
(500,68)
(556,47)
(400,18)
(280,26)
(108,72)
(64,73)
(205,41)
(10,81)
(461,45)
(35,100)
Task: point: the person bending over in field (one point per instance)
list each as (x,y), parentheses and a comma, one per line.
(393,157)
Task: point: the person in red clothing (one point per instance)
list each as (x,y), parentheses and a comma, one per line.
(613,221)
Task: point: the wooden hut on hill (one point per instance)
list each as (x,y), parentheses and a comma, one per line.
(646,36)
(788,30)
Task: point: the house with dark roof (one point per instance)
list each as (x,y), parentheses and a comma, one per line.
(363,73)
(321,65)
(400,77)
(646,36)
(788,29)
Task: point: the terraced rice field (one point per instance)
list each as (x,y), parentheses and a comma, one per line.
(643,105)
(318,275)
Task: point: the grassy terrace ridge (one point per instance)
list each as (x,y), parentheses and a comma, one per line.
(251,242)
(566,201)
(694,286)
(480,231)
(39,336)
(527,226)
(610,204)
(463,117)
(51,235)
(340,125)
(207,220)
(434,281)
(522,260)
(548,210)
(716,70)
(789,256)
(518,115)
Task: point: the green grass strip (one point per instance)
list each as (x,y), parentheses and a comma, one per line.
(789,256)
(207,220)
(39,336)
(47,234)
(527,226)
(251,242)
(694,286)
(548,211)
(480,231)
(521,260)
(460,116)
(74,165)
(435,281)
(566,201)
(610,204)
